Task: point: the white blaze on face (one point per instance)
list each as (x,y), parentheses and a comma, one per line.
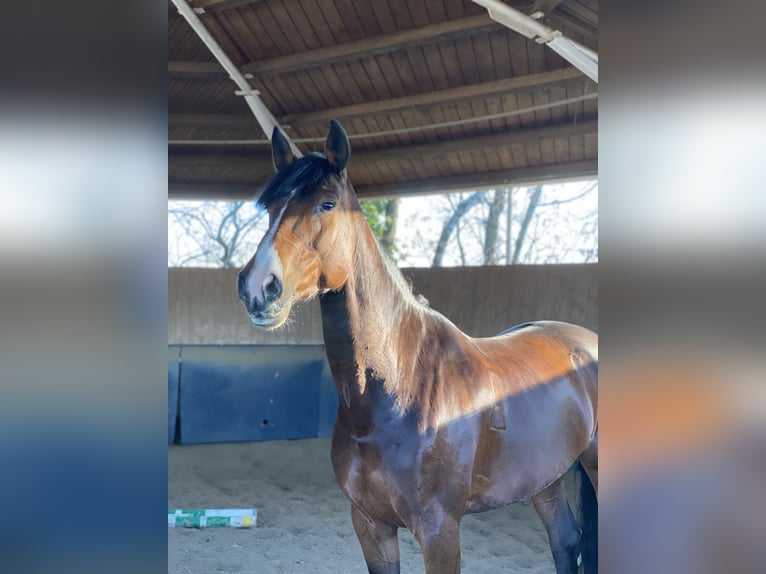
(267,262)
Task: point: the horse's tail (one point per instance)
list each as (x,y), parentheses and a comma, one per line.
(589,523)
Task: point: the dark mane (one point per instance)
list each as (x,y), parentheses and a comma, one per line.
(302,176)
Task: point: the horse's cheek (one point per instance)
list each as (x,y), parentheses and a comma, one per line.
(311,273)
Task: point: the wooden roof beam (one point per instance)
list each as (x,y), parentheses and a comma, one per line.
(368,46)
(567,171)
(477,142)
(213,120)
(539,174)
(210,6)
(196,70)
(255,160)
(545,6)
(246,161)
(572,23)
(439,97)
(222,191)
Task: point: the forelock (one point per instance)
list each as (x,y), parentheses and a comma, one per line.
(299,179)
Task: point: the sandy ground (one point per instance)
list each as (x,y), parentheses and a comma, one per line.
(304,521)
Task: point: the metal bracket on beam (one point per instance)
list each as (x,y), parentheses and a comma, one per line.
(545,39)
(247,93)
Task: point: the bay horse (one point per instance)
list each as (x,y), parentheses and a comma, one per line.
(431,424)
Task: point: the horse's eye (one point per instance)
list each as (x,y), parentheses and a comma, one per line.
(327,205)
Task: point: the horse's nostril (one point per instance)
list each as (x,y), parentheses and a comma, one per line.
(272,289)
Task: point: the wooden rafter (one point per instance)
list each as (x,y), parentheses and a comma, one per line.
(439,97)
(213,120)
(545,6)
(248,161)
(448,96)
(196,70)
(473,181)
(572,24)
(478,142)
(484,180)
(367,46)
(210,6)
(212,190)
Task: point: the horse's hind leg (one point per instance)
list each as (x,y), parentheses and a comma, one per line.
(563,533)
(589,461)
(589,507)
(379,541)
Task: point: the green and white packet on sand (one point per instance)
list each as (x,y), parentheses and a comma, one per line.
(204,518)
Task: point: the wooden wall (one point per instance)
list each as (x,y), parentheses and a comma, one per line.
(203,308)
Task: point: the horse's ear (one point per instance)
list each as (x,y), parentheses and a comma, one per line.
(337,149)
(281,152)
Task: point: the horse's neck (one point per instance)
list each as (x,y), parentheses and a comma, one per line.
(363,329)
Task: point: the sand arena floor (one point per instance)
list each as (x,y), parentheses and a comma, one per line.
(304,521)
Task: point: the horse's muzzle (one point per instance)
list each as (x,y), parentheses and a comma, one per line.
(272,317)
(263,296)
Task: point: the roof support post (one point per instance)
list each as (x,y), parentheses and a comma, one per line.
(264,116)
(580,56)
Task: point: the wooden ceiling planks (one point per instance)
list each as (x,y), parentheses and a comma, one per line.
(580,16)
(576,148)
(383,66)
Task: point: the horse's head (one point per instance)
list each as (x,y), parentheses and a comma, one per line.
(310,206)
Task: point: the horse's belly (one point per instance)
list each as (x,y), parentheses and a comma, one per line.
(506,482)
(527,443)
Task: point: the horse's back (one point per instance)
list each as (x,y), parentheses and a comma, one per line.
(532,353)
(575,336)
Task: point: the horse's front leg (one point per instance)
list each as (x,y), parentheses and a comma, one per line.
(439,538)
(380,544)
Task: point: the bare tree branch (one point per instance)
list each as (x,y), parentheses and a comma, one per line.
(214,232)
(462,208)
(585,192)
(533,201)
(493,226)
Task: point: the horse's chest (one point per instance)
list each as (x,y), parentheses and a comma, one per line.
(376,476)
